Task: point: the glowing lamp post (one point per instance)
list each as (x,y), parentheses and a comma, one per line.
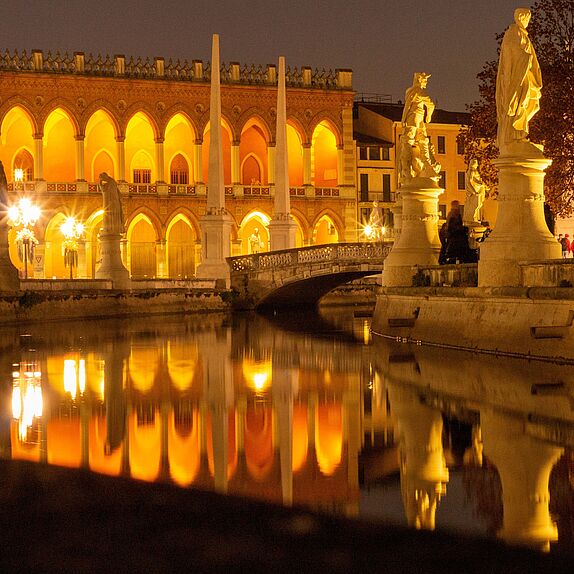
(24,214)
(72,231)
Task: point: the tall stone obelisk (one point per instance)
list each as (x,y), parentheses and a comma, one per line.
(282,227)
(216,223)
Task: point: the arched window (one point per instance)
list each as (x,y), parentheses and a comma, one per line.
(23,166)
(141,168)
(179,171)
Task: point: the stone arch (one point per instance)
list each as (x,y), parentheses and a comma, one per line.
(23,161)
(330,122)
(324,156)
(296,139)
(175,171)
(254,224)
(144,109)
(228,135)
(302,231)
(100,164)
(180,135)
(105,107)
(254,117)
(181,247)
(24,106)
(251,170)
(100,135)
(54,265)
(58,104)
(140,142)
(182,110)
(60,130)
(142,235)
(327,228)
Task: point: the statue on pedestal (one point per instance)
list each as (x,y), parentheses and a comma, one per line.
(416,154)
(518,88)
(475,194)
(113,214)
(255,241)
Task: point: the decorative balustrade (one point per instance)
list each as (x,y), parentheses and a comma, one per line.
(256,190)
(158,68)
(326,192)
(332,253)
(181,189)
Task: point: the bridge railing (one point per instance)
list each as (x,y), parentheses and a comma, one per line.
(329,253)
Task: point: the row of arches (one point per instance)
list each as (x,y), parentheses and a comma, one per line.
(151,251)
(60,151)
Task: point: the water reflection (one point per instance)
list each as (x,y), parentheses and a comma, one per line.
(308,413)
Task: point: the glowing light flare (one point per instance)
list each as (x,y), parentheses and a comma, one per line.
(74,377)
(23,213)
(72,229)
(18,174)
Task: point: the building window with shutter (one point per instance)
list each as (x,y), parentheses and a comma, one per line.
(364,187)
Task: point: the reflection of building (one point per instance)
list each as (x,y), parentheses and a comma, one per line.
(185,412)
(147,125)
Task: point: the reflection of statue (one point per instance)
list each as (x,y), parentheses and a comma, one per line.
(255,241)
(416,158)
(3,186)
(113,215)
(518,82)
(475,194)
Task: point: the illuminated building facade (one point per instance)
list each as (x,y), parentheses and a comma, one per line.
(377,128)
(64,120)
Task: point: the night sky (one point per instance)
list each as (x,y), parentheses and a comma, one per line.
(382,41)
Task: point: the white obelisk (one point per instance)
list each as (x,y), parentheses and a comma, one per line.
(282,227)
(216,223)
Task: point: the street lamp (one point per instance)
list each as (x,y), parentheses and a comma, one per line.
(24,214)
(72,231)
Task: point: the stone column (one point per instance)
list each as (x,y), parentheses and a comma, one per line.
(197,161)
(340,165)
(215,349)
(235,164)
(216,223)
(271,158)
(520,233)
(82,269)
(160,160)
(418,243)
(423,468)
(80,162)
(306,164)
(524,464)
(285,389)
(161,258)
(121,141)
(9,280)
(282,226)
(38,156)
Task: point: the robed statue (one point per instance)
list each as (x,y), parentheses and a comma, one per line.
(475,194)
(518,85)
(113,215)
(416,155)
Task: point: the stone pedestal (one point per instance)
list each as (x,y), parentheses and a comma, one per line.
(521,233)
(282,232)
(418,243)
(112,267)
(524,465)
(215,246)
(9,280)
(475,234)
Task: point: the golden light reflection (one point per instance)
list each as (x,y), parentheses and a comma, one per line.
(27,402)
(74,377)
(257,374)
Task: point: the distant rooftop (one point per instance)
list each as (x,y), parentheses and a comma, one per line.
(158,68)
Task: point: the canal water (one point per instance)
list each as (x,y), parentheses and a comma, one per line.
(301,409)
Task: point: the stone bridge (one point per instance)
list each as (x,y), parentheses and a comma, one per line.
(301,276)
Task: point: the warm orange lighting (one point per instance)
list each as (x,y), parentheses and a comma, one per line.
(257,374)
(18,174)
(27,402)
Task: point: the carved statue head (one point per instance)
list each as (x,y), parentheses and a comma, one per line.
(421,79)
(522,17)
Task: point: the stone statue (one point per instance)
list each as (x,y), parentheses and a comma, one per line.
(475,194)
(376,222)
(255,241)
(518,85)
(113,215)
(416,156)
(3,187)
